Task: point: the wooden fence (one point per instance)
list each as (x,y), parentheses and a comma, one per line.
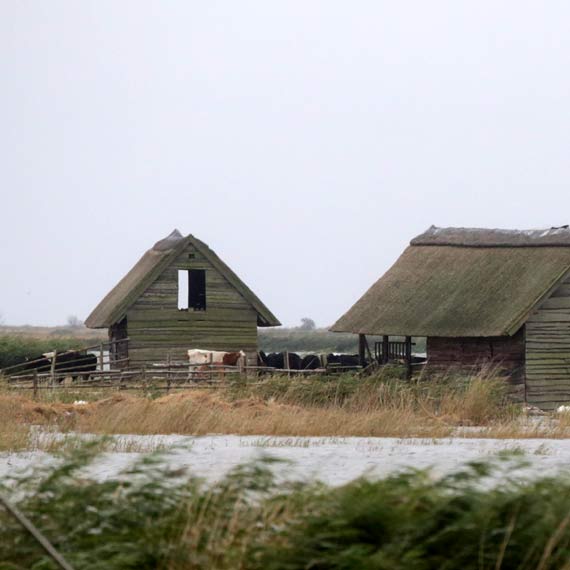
(169,375)
(387,351)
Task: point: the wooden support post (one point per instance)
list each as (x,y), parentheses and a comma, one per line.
(408,358)
(385,349)
(370,358)
(101,360)
(362,349)
(52,370)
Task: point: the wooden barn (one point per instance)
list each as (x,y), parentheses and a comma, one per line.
(481,297)
(180,295)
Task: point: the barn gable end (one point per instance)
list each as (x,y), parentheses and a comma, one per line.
(144,306)
(156,325)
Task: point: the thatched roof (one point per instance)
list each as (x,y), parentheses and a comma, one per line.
(115,304)
(457,282)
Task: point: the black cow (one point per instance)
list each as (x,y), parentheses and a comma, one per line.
(310,362)
(277,360)
(343,360)
(294,361)
(77,362)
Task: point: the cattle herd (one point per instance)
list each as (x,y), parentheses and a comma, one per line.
(79,364)
(274,360)
(294,361)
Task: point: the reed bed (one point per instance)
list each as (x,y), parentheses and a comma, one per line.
(483,516)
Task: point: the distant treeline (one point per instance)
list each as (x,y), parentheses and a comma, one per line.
(317,340)
(15,349)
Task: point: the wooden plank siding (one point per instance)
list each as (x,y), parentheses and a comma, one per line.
(548,351)
(156,327)
(469,355)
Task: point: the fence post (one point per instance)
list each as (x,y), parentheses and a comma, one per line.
(168,357)
(35,384)
(243,366)
(52,371)
(101,359)
(286,363)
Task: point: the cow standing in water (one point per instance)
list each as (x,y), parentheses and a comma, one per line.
(203,361)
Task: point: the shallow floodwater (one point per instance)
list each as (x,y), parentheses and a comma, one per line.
(332,460)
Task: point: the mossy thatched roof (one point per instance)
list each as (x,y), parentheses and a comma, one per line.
(115,304)
(456,282)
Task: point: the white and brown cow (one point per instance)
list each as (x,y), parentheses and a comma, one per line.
(202,362)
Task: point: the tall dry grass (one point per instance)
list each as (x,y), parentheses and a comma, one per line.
(381,406)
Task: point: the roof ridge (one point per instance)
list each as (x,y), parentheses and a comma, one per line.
(482,237)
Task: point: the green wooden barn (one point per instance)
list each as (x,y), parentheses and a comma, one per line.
(180,295)
(495,298)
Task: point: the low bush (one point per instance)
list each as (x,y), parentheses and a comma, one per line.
(152,517)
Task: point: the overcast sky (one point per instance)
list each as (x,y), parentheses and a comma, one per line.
(305,141)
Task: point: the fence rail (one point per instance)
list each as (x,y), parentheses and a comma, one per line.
(158,376)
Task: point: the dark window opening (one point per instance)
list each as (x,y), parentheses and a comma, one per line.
(192,289)
(197,289)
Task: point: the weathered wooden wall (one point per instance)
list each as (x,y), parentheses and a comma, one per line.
(469,355)
(548,351)
(156,327)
